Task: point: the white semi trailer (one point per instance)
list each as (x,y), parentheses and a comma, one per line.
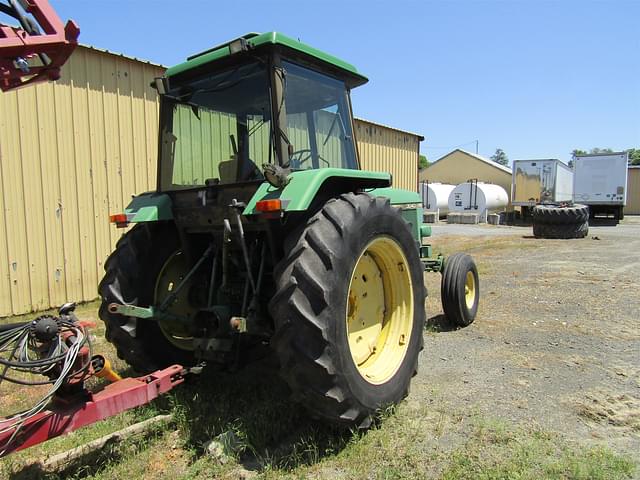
(600,182)
(537,182)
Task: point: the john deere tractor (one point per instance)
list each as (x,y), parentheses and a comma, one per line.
(265,236)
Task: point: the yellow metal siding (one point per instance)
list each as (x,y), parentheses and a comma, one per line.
(458,167)
(74,151)
(71,152)
(384,149)
(633,192)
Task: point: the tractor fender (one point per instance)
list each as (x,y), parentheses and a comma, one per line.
(304,186)
(149,207)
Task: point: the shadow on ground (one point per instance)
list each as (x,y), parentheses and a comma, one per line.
(603,222)
(440,323)
(253,403)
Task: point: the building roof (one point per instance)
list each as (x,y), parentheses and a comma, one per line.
(382,125)
(127,57)
(256,40)
(478,157)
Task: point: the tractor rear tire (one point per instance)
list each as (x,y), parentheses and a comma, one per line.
(561,231)
(555,215)
(353,262)
(460,289)
(130,278)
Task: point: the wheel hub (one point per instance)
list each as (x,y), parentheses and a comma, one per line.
(470,290)
(379,312)
(171,275)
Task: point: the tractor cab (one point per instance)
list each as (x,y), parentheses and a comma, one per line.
(258,100)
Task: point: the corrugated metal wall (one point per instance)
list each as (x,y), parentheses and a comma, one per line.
(71,152)
(633,192)
(384,149)
(74,151)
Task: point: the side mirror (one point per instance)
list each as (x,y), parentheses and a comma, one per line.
(161,84)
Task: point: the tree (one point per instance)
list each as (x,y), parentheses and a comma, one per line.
(634,156)
(500,157)
(574,154)
(597,150)
(423,162)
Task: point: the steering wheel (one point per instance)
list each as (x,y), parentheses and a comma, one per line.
(305,155)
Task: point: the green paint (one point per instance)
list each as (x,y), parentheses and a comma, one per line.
(413,217)
(304,186)
(149,207)
(425,231)
(431,264)
(397,196)
(269,38)
(134,311)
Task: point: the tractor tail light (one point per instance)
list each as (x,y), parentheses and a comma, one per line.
(274,205)
(120,219)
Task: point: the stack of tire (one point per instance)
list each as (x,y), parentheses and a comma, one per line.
(560,221)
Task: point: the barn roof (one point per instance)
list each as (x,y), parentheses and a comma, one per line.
(478,157)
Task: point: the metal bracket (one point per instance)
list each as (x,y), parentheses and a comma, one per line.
(131,310)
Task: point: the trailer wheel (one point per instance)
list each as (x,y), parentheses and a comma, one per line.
(460,289)
(561,231)
(349,309)
(131,274)
(554,214)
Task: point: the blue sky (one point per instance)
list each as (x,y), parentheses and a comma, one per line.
(535,78)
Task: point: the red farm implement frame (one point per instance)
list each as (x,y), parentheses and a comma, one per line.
(59,348)
(65,415)
(35,50)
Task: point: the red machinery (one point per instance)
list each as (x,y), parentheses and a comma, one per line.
(58,347)
(36,50)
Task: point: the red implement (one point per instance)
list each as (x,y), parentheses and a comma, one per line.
(64,416)
(36,50)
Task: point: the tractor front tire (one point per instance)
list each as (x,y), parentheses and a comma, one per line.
(349,309)
(460,289)
(130,278)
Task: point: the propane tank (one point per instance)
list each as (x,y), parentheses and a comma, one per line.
(435,197)
(478,197)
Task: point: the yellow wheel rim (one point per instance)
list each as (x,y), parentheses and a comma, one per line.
(379,312)
(170,276)
(470,290)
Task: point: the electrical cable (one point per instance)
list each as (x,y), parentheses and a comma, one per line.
(22,352)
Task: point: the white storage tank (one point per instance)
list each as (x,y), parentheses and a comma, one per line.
(478,197)
(435,197)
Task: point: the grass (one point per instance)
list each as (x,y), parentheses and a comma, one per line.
(421,438)
(496,451)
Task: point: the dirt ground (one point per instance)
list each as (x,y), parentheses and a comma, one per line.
(547,375)
(557,338)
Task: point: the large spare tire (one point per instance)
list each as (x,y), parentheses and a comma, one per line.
(555,214)
(560,230)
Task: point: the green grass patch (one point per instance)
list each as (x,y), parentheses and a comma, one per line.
(496,451)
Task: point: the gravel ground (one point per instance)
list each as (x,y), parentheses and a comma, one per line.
(556,341)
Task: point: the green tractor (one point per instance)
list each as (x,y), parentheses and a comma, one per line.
(265,237)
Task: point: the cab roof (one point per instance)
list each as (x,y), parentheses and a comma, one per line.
(271,39)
